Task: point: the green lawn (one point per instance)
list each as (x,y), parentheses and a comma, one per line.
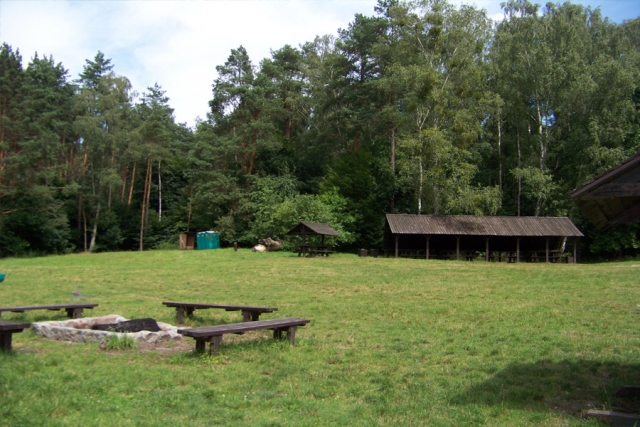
(391,342)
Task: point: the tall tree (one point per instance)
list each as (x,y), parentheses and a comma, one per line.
(103,106)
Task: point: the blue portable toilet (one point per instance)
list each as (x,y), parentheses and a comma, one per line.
(208,240)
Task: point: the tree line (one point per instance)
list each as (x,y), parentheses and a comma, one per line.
(422,108)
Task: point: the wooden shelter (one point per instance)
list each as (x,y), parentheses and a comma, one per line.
(187,241)
(485,233)
(305,229)
(612,197)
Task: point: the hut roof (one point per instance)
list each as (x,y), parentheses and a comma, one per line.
(468,225)
(313,228)
(612,197)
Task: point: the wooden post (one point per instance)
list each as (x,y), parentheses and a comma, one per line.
(396,246)
(428,237)
(457,248)
(518,249)
(180,316)
(486,248)
(304,240)
(214,347)
(291,333)
(5,341)
(575,251)
(547,249)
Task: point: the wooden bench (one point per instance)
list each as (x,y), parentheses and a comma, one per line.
(7,329)
(74,311)
(213,334)
(249,313)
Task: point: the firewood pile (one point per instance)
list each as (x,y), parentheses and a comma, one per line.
(267,245)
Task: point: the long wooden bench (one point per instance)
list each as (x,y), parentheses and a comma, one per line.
(74,311)
(249,313)
(213,334)
(7,329)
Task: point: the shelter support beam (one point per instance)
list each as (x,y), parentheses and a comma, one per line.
(427,255)
(547,246)
(518,249)
(396,246)
(575,251)
(457,248)
(486,248)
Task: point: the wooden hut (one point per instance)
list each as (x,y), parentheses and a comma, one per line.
(466,234)
(612,197)
(305,229)
(187,241)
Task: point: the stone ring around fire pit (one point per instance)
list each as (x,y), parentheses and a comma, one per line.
(80,330)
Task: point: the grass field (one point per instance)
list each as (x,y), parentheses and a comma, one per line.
(399,342)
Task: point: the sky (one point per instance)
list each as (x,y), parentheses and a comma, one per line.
(179,43)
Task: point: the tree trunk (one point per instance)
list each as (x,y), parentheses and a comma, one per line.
(133,180)
(189,213)
(146,215)
(393,149)
(420,188)
(124,182)
(94,232)
(159,193)
(519,178)
(80,213)
(500,155)
(84,220)
(144,204)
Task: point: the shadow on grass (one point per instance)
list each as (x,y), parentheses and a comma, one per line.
(255,346)
(567,386)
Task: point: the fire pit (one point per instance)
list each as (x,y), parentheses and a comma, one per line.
(98,329)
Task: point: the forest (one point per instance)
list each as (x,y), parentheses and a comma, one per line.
(422,107)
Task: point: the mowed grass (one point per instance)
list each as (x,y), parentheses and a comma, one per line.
(399,342)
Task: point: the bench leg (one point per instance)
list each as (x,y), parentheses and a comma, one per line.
(246,316)
(214,347)
(5,341)
(292,334)
(190,311)
(200,346)
(179,315)
(74,313)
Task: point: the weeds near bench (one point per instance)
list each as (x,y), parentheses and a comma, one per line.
(124,342)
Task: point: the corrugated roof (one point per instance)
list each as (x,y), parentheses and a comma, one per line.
(469,225)
(314,228)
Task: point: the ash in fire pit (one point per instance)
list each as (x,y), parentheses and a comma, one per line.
(135,325)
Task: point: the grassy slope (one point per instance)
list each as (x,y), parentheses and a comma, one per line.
(391,342)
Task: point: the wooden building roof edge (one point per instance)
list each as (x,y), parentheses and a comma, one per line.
(606,176)
(316,227)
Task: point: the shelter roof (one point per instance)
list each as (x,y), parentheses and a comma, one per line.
(469,225)
(612,197)
(313,228)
